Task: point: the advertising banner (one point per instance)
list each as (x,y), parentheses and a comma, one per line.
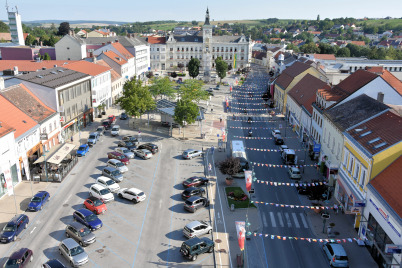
(241,233)
(248,176)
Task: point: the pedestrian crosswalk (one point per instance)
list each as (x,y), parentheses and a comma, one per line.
(284,219)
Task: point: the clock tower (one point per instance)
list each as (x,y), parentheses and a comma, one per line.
(206,51)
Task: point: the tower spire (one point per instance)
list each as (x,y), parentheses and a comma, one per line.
(207,18)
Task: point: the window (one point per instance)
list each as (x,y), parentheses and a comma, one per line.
(329,138)
(357,169)
(333,144)
(345,157)
(363,177)
(351,164)
(339,149)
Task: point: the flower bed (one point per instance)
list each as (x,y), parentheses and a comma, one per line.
(236,196)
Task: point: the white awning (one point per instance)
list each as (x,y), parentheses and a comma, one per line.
(58,156)
(48,154)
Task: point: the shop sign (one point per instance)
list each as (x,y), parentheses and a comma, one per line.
(386,218)
(317,147)
(359,203)
(62,119)
(9,181)
(43,137)
(356,210)
(391,249)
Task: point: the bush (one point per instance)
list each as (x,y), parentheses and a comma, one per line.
(230,166)
(181,74)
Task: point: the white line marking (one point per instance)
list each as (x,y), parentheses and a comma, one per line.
(303,220)
(219,216)
(288,219)
(272,219)
(295,220)
(33,230)
(264,220)
(280,219)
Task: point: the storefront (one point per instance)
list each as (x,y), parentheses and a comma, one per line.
(68,129)
(8,179)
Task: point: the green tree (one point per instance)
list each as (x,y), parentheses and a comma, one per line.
(292,47)
(221,68)
(136,99)
(64,29)
(194,23)
(39,56)
(46,57)
(309,48)
(185,111)
(343,52)
(194,67)
(30,40)
(162,87)
(192,90)
(4,27)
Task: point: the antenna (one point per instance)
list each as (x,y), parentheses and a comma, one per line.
(16,9)
(6,5)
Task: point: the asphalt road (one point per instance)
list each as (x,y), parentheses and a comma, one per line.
(277,221)
(147,234)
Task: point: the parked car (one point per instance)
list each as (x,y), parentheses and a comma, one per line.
(132,194)
(294,173)
(192,191)
(117,164)
(73,252)
(195,202)
(127,144)
(217,87)
(112,173)
(210,92)
(282,148)
(80,233)
(88,218)
(336,254)
(278,140)
(123,116)
(303,190)
(193,247)
(108,183)
(153,148)
(123,150)
(93,138)
(54,263)
(106,124)
(19,258)
(112,119)
(38,201)
(119,156)
(83,150)
(196,229)
(130,138)
(101,130)
(95,205)
(13,228)
(169,124)
(101,192)
(143,153)
(275,132)
(190,153)
(195,181)
(115,130)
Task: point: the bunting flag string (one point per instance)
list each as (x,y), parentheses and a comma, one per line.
(248,98)
(248,109)
(281,166)
(262,138)
(274,150)
(232,102)
(255,121)
(292,184)
(259,127)
(309,239)
(294,206)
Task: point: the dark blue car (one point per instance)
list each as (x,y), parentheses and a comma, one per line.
(83,150)
(13,228)
(88,218)
(38,201)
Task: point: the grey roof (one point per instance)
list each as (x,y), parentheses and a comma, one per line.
(124,40)
(226,39)
(53,78)
(354,111)
(188,38)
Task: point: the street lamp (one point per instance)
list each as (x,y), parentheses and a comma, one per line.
(44,156)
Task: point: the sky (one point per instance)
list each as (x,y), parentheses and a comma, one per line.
(136,10)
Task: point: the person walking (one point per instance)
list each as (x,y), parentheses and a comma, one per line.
(220,119)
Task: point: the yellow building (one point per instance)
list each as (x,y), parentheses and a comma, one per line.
(369,148)
(288,79)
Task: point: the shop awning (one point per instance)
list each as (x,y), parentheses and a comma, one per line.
(58,156)
(48,154)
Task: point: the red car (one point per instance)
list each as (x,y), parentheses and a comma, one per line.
(119,156)
(111,119)
(194,182)
(95,205)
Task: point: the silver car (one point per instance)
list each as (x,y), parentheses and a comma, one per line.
(143,153)
(112,173)
(125,151)
(80,233)
(73,252)
(196,228)
(114,163)
(190,153)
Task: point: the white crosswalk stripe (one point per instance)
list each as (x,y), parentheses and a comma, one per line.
(303,220)
(288,219)
(295,220)
(272,216)
(280,219)
(264,220)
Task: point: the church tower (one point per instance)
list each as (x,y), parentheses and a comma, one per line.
(206,51)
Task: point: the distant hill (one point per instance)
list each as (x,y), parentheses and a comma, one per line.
(74,22)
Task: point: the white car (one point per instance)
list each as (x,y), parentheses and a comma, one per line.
(214,76)
(143,153)
(115,130)
(276,132)
(125,151)
(108,183)
(294,173)
(132,194)
(117,164)
(101,192)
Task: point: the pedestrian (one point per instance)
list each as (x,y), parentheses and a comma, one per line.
(72,139)
(220,119)
(209,168)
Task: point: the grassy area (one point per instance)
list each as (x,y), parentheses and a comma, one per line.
(238,204)
(393,22)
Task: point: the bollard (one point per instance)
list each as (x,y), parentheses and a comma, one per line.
(232,208)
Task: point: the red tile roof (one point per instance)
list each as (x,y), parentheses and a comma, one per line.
(5,36)
(388,185)
(116,58)
(324,56)
(330,95)
(156,40)
(287,76)
(355,81)
(27,102)
(31,65)
(304,92)
(382,131)
(358,43)
(259,55)
(119,47)
(113,73)
(87,68)
(388,77)
(14,117)
(5,129)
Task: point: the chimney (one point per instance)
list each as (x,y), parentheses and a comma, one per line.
(94,59)
(103,44)
(15,70)
(1,83)
(117,40)
(380,97)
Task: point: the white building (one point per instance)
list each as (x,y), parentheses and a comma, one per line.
(14,19)
(8,160)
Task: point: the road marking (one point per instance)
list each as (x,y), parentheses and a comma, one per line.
(264,220)
(288,219)
(66,200)
(219,216)
(33,229)
(295,220)
(303,220)
(272,216)
(280,219)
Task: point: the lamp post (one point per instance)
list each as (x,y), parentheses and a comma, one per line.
(44,156)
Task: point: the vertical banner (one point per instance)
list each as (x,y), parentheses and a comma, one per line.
(248,176)
(241,233)
(8,183)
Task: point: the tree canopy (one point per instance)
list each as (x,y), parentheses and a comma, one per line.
(192,90)
(64,28)
(194,67)
(162,87)
(221,67)
(185,111)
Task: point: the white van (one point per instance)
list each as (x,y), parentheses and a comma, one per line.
(115,130)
